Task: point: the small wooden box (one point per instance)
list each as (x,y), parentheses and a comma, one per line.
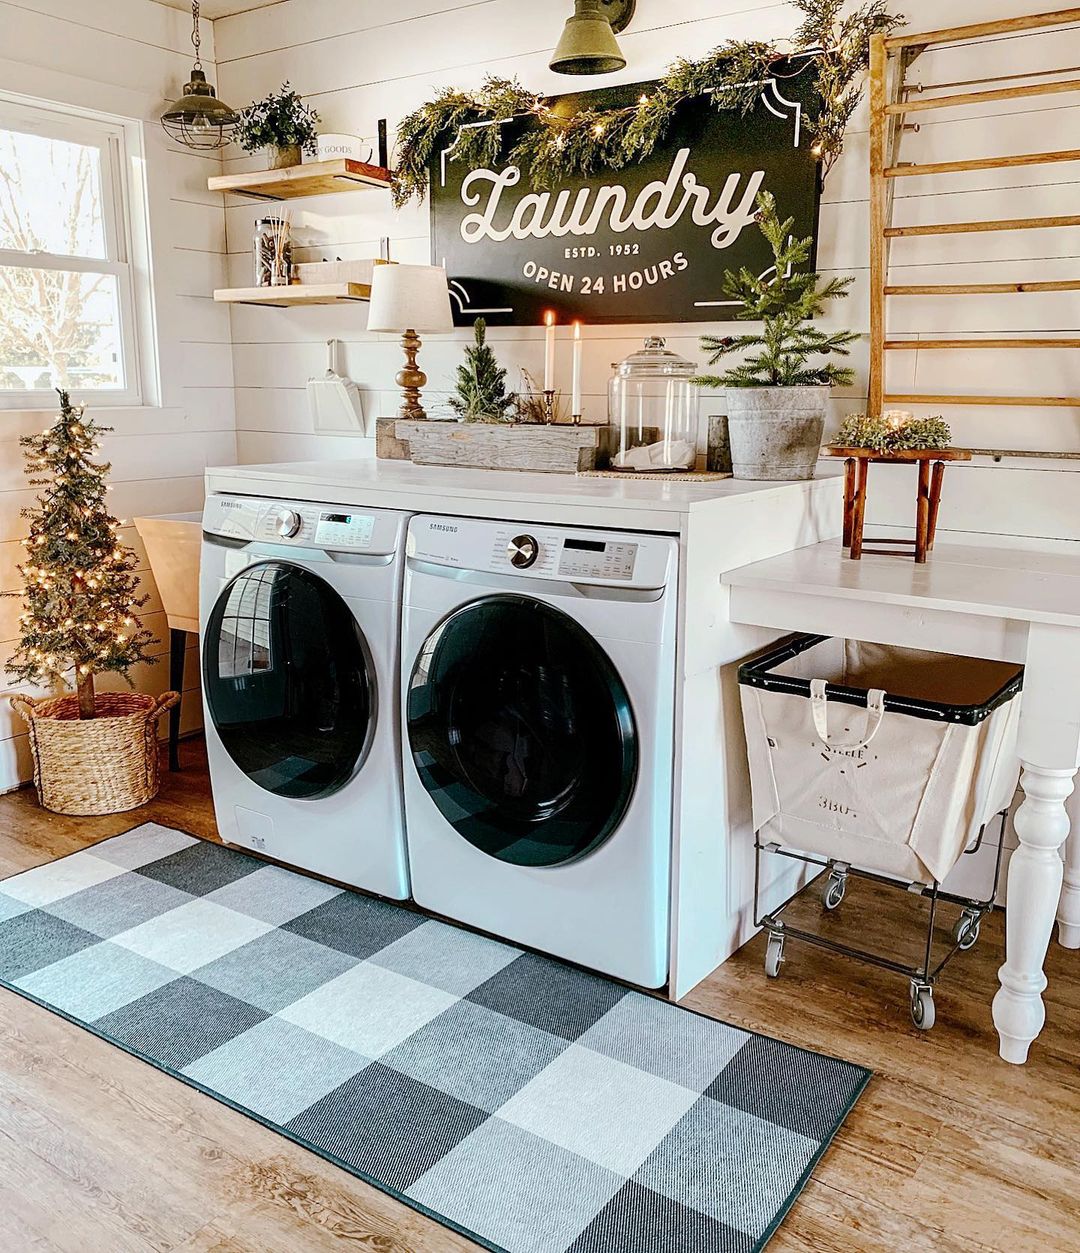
(555,449)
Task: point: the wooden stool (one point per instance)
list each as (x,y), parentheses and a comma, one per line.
(931,462)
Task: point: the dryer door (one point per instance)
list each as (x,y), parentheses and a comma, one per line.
(522,731)
(288,680)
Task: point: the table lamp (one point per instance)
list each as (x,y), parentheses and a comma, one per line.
(409,299)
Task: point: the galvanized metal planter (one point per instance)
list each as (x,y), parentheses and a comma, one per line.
(776,432)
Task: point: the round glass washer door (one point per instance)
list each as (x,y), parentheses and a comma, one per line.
(522,731)
(289,681)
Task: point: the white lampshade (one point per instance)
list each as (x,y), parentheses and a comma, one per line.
(410,298)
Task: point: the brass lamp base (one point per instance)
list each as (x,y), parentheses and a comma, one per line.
(411,380)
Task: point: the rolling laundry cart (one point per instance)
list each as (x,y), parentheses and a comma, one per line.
(882,763)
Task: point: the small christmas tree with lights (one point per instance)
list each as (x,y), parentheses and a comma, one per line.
(481,394)
(79,583)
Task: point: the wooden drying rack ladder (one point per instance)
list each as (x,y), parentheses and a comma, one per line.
(889,103)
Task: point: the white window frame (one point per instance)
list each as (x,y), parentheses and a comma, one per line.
(123,198)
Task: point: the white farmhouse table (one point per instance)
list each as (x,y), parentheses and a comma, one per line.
(1017,604)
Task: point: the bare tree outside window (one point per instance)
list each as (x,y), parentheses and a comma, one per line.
(64,281)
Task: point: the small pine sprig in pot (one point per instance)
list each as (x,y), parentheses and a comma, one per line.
(281,122)
(480,394)
(785,305)
(79,582)
(777,393)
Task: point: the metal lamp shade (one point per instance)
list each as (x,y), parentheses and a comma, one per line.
(199,119)
(588,44)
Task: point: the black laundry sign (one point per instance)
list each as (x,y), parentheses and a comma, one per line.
(648,243)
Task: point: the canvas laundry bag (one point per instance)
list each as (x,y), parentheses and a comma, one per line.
(899,783)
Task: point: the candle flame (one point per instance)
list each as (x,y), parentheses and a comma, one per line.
(549,318)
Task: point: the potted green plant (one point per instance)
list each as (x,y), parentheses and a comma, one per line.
(282,124)
(94,752)
(778,394)
(480,394)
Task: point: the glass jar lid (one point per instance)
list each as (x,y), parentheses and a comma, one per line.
(655,360)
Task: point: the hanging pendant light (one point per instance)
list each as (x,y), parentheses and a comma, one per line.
(588,44)
(199,119)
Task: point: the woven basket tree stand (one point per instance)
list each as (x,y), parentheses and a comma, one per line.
(101,765)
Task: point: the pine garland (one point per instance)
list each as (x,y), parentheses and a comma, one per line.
(481,394)
(834,48)
(887,433)
(79,582)
(784,300)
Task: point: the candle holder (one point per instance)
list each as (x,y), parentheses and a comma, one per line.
(549,406)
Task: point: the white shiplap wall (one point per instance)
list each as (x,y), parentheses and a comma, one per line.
(358,61)
(69,51)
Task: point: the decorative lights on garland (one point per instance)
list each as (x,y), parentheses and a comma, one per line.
(835,49)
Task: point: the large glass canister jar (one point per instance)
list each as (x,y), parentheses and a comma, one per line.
(653,410)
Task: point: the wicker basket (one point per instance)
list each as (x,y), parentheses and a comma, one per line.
(102,765)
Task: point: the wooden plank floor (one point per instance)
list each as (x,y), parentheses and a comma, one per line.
(950,1148)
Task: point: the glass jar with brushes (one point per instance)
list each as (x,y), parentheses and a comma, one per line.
(272,250)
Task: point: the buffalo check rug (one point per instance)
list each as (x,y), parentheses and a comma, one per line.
(527,1104)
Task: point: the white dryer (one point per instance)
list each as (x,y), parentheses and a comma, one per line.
(300,614)
(539,678)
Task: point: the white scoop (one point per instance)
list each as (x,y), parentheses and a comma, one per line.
(337,406)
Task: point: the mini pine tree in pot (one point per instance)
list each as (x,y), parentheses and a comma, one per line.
(778,392)
(480,394)
(80,594)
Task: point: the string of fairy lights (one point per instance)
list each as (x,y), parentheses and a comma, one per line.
(561,144)
(80,589)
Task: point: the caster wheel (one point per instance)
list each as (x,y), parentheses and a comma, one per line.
(966,932)
(836,891)
(922,1007)
(774,955)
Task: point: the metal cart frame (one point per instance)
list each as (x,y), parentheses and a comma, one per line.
(922,977)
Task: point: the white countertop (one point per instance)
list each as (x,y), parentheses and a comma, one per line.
(1029,584)
(662,504)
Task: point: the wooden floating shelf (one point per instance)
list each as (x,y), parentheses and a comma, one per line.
(983,97)
(999,224)
(295,294)
(915,345)
(980,289)
(982,163)
(315,178)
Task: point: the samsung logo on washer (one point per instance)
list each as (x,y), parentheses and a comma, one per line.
(443,526)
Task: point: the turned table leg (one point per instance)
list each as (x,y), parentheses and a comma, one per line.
(850,468)
(858,513)
(1068,916)
(1048,744)
(922,514)
(935,500)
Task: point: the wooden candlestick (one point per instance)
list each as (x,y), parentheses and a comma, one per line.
(411,379)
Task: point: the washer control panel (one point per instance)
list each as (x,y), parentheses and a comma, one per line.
(302,524)
(528,551)
(596,559)
(338,529)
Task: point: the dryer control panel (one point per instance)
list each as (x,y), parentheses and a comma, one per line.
(529,551)
(301,524)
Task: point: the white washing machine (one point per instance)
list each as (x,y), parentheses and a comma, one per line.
(539,677)
(300,616)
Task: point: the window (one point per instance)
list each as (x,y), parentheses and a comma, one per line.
(68,314)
